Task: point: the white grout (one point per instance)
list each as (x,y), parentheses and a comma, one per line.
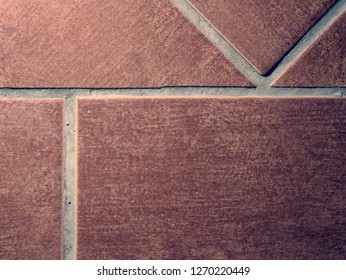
(70,95)
(70,166)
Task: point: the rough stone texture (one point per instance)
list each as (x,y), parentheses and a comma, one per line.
(323,64)
(106,44)
(31,141)
(211,178)
(262,30)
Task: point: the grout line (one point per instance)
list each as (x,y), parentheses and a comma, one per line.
(204,26)
(263,83)
(304,43)
(69,209)
(36,93)
(172,91)
(236,92)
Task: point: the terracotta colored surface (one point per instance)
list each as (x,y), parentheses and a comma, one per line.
(324,63)
(30,179)
(262,30)
(212,178)
(106,44)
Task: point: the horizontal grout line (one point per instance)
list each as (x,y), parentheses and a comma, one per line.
(171,91)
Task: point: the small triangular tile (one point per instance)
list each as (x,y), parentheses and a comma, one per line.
(263,31)
(323,64)
(106,44)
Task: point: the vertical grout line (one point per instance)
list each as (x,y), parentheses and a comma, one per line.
(69,208)
(76,178)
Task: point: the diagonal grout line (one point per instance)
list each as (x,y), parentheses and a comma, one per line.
(69,194)
(203,25)
(304,43)
(263,83)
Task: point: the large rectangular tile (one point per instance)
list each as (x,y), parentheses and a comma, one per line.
(31,142)
(211,178)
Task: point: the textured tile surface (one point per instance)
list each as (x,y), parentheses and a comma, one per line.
(262,30)
(106,44)
(323,64)
(212,178)
(30,179)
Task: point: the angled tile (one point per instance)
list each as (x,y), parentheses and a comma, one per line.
(262,30)
(106,44)
(211,178)
(31,139)
(323,64)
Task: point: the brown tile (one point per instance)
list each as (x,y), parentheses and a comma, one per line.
(323,64)
(106,44)
(189,178)
(30,179)
(262,30)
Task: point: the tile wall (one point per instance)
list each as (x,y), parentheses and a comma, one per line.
(172,129)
